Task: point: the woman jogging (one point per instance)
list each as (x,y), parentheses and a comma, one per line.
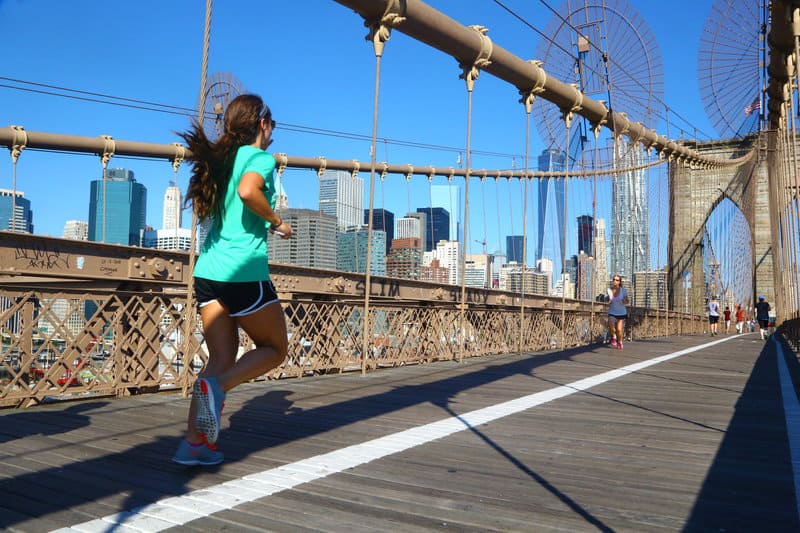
(617,312)
(232,185)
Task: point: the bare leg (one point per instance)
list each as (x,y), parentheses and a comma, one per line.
(620,329)
(267,328)
(222,340)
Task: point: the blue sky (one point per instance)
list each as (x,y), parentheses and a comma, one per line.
(309,60)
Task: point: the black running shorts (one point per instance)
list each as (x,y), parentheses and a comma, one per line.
(239,297)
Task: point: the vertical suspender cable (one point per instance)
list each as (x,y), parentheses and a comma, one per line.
(469,74)
(593,283)
(568,122)
(379,34)
(463,254)
(658,255)
(528,102)
(191,314)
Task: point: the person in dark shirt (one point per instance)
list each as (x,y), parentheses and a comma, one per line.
(727,316)
(762,315)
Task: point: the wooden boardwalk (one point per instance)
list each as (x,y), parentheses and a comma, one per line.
(698,442)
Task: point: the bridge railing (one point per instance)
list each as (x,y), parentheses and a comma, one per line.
(81,319)
(790,330)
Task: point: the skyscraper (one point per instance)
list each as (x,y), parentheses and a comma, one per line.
(15,211)
(585,235)
(351,251)
(423,228)
(168,239)
(601,277)
(438,226)
(448,255)
(342,196)
(123,219)
(476,271)
(545,266)
(77,230)
(550,160)
(405,258)
(409,228)
(629,223)
(313,243)
(172,207)
(584,289)
(571,268)
(514,248)
(382,220)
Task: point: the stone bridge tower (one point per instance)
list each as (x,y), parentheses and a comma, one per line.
(694,193)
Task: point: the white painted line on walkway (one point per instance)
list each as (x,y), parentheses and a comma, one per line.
(791,410)
(179,510)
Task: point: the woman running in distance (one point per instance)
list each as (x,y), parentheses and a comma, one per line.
(232,186)
(617,312)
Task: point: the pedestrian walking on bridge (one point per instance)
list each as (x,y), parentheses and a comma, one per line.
(762,315)
(713,315)
(739,319)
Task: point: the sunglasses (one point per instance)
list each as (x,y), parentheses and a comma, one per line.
(264,113)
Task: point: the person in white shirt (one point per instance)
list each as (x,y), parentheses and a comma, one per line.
(617,312)
(713,315)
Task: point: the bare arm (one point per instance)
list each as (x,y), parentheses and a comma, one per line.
(251,191)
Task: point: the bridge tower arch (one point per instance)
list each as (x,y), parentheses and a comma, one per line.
(694,194)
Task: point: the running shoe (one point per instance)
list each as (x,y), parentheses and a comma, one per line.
(201,453)
(619,345)
(209,398)
(614,342)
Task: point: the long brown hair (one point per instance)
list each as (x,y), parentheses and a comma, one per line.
(212,162)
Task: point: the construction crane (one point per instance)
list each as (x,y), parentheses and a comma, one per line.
(483,243)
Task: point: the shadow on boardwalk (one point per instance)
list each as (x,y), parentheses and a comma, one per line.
(753,468)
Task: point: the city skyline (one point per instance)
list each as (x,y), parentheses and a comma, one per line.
(313,246)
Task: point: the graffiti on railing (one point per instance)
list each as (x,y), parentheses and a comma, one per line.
(389,288)
(472,296)
(110,266)
(43,257)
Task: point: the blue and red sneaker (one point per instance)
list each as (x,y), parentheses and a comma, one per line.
(209,398)
(196,454)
